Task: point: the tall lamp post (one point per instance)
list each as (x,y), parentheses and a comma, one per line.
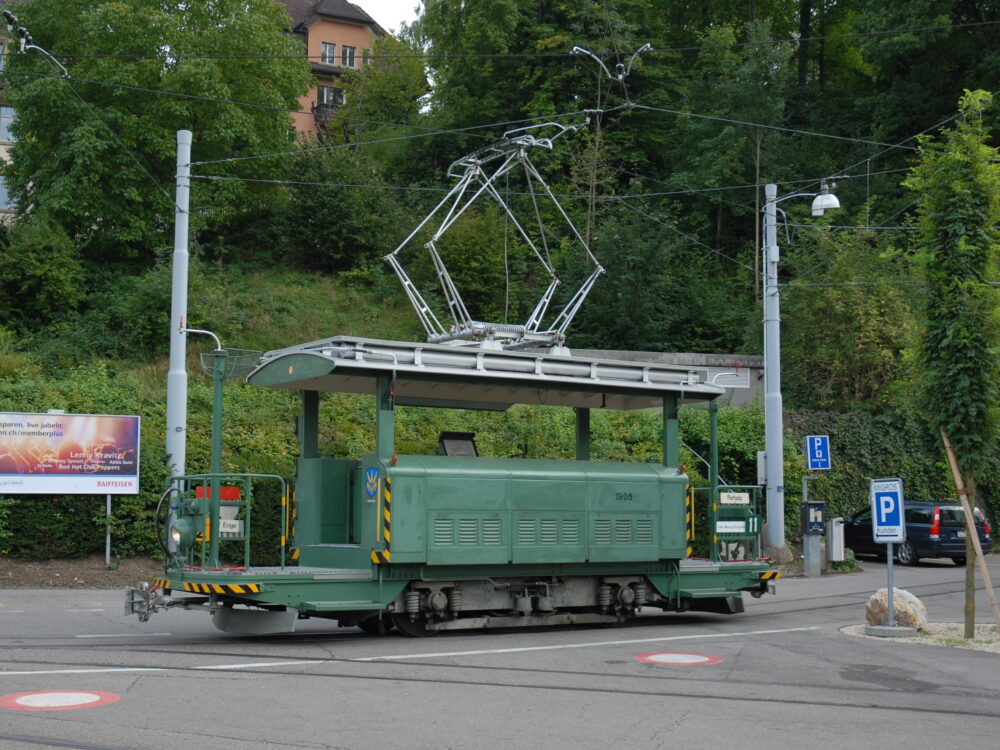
(773,426)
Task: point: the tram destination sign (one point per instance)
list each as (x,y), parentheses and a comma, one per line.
(72,454)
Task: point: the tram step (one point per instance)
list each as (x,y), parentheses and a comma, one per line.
(339,606)
(709,593)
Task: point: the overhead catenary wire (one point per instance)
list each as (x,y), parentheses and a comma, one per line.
(443,131)
(548,55)
(772,127)
(626,105)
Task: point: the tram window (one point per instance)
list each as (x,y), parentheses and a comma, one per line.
(457,444)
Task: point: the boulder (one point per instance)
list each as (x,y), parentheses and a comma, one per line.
(910,612)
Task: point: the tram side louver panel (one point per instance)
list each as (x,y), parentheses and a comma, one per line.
(570,532)
(623,537)
(527,532)
(547,536)
(549,531)
(644,531)
(602,531)
(444,532)
(468,532)
(492,532)
(457,537)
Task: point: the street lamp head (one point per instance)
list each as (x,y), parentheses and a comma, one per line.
(824,200)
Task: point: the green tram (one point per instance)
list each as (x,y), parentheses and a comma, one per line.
(428,543)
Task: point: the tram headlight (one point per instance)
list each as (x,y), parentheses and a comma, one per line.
(182,533)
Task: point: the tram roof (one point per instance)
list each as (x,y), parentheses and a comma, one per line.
(467,377)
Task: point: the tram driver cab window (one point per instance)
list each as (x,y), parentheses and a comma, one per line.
(457,444)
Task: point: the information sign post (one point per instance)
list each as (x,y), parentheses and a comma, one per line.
(889,528)
(817,452)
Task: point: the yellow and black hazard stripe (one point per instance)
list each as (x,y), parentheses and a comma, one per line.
(384,525)
(161,583)
(770,575)
(291,515)
(222,588)
(689,519)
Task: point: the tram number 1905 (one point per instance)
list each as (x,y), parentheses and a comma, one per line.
(623,497)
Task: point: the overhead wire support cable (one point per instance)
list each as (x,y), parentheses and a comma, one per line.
(772,127)
(448,131)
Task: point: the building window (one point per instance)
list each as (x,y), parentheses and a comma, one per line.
(329,96)
(347,56)
(6,118)
(366,57)
(328,53)
(5,202)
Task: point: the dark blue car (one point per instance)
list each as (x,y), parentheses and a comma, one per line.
(932,530)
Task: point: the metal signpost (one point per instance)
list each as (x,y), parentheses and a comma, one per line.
(888,527)
(817,451)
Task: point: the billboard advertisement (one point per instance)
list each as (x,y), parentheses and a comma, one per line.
(68,454)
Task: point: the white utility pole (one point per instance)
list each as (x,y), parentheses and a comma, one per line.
(177,375)
(773,442)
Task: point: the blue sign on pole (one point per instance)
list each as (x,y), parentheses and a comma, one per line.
(817,453)
(888,525)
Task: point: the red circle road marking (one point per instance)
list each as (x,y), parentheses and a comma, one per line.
(679,660)
(57,700)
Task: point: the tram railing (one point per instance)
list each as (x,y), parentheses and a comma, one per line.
(207,510)
(734,522)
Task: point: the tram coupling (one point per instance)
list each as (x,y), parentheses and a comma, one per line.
(143,600)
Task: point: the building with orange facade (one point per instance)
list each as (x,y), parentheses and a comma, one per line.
(338,37)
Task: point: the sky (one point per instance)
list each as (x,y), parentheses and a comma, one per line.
(389,13)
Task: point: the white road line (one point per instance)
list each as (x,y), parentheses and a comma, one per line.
(84,610)
(583,645)
(12,611)
(121,635)
(267,664)
(86,671)
(258,665)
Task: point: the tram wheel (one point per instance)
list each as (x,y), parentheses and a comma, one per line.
(411,628)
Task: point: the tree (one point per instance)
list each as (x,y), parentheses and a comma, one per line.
(40,273)
(341,212)
(916,73)
(958,184)
(386,92)
(96,151)
(844,330)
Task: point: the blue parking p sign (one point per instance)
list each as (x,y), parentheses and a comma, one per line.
(888,525)
(817,453)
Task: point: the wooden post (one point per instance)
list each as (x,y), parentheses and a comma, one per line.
(970,526)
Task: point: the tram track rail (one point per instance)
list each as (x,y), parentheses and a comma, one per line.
(744,688)
(51,742)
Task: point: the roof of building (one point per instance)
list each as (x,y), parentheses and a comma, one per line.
(339,10)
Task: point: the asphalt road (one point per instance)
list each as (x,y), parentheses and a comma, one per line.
(780,675)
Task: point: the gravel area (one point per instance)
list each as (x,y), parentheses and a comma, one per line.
(941,634)
(84,573)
